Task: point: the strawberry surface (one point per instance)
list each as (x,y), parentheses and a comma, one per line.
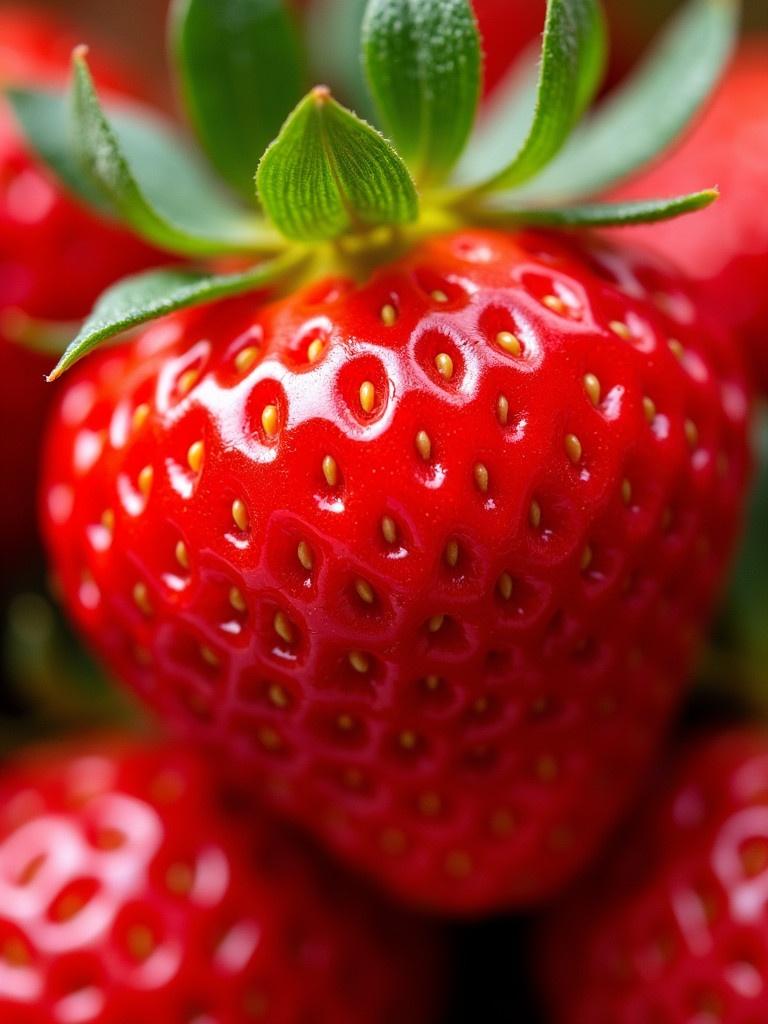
(725,248)
(131,890)
(426,557)
(674,928)
(55,259)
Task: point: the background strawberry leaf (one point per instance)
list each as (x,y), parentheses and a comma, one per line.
(153,184)
(572,61)
(422,60)
(155,293)
(240,67)
(647,114)
(328,173)
(624,214)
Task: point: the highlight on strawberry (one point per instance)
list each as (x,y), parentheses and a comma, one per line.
(414,502)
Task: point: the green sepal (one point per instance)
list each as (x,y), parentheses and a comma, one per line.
(136,300)
(329,173)
(645,115)
(572,61)
(423,63)
(152,183)
(640,211)
(240,67)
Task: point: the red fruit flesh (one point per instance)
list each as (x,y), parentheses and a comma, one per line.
(130,892)
(724,248)
(55,259)
(425,557)
(674,928)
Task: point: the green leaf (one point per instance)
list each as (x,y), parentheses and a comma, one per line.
(155,293)
(641,211)
(572,59)
(240,67)
(646,114)
(422,59)
(328,173)
(153,184)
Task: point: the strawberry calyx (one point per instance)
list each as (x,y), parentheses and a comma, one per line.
(334,193)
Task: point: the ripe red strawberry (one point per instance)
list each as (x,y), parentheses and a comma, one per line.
(674,928)
(55,258)
(130,891)
(726,249)
(425,557)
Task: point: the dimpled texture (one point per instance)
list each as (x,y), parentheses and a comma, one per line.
(55,259)
(426,557)
(675,928)
(725,248)
(130,892)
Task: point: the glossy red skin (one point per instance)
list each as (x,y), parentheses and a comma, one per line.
(674,928)
(55,259)
(724,248)
(550,703)
(243,924)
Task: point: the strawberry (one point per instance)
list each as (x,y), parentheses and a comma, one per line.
(391,544)
(674,927)
(726,249)
(422,545)
(37,219)
(130,892)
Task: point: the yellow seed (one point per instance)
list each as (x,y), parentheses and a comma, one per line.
(626,491)
(283,627)
(586,558)
(620,328)
(444,365)
(408,740)
(209,656)
(237,600)
(367,396)
(435,624)
(187,381)
(502,410)
(592,387)
(315,350)
(432,683)
(481,477)
(649,408)
(141,598)
(345,722)
(140,941)
(182,555)
(359,661)
(555,303)
(140,416)
(691,433)
(269,739)
(145,480)
(676,348)
(505,585)
(15,953)
(430,804)
(534,514)
(269,420)
(245,358)
(388,529)
(108,519)
(388,315)
(480,706)
(502,822)
(353,778)
(509,342)
(365,591)
(195,454)
(392,841)
(180,878)
(573,448)
(458,864)
(424,445)
(439,296)
(452,553)
(330,471)
(240,514)
(547,768)
(304,554)
(278,696)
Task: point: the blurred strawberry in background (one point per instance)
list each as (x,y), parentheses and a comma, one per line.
(55,259)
